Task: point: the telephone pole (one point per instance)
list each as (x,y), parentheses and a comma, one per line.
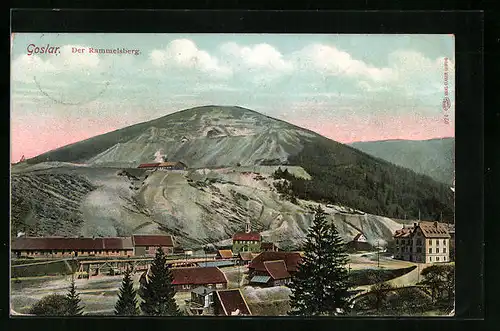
(378,254)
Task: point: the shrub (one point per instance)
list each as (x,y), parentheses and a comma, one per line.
(51,305)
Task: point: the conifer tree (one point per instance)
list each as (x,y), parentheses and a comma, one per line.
(157,292)
(127,298)
(74,306)
(320,286)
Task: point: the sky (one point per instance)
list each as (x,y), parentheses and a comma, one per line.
(345,87)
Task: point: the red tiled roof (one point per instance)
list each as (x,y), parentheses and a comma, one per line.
(152,240)
(292,260)
(198,276)
(226,253)
(59,243)
(277,269)
(232,300)
(148,165)
(249,236)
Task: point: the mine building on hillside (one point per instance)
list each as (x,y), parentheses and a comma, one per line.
(147,245)
(248,241)
(58,247)
(275,274)
(425,242)
(163,166)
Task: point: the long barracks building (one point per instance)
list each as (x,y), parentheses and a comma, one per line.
(136,245)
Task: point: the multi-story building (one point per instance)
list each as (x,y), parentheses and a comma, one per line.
(425,242)
(248,241)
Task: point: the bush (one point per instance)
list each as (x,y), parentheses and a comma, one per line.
(51,305)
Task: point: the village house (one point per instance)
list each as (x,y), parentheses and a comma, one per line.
(230,303)
(359,243)
(425,242)
(202,300)
(224,254)
(186,279)
(248,241)
(275,274)
(266,247)
(147,245)
(163,166)
(58,247)
(257,266)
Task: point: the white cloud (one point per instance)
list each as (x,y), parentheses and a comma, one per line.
(331,61)
(259,56)
(185,54)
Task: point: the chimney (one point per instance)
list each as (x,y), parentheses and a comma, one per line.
(436,224)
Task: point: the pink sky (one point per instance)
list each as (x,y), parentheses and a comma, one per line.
(37,138)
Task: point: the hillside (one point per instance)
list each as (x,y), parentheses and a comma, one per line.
(434,157)
(198,207)
(206,139)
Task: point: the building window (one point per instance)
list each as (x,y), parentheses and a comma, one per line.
(437,258)
(419,249)
(437,250)
(444,242)
(430,259)
(397,241)
(147,248)
(430,250)
(430,242)
(444,250)
(419,242)
(185,287)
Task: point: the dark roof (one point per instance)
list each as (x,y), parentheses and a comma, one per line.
(231,301)
(198,276)
(434,229)
(60,243)
(276,269)
(292,260)
(153,240)
(202,290)
(249,236)
(148,165)
(225,253)
(402,233)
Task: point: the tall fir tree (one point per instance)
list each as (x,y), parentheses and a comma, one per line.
(74,302)
(127,298)
(320,286)
(158,292)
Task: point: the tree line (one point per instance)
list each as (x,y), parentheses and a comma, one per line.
(365,183)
